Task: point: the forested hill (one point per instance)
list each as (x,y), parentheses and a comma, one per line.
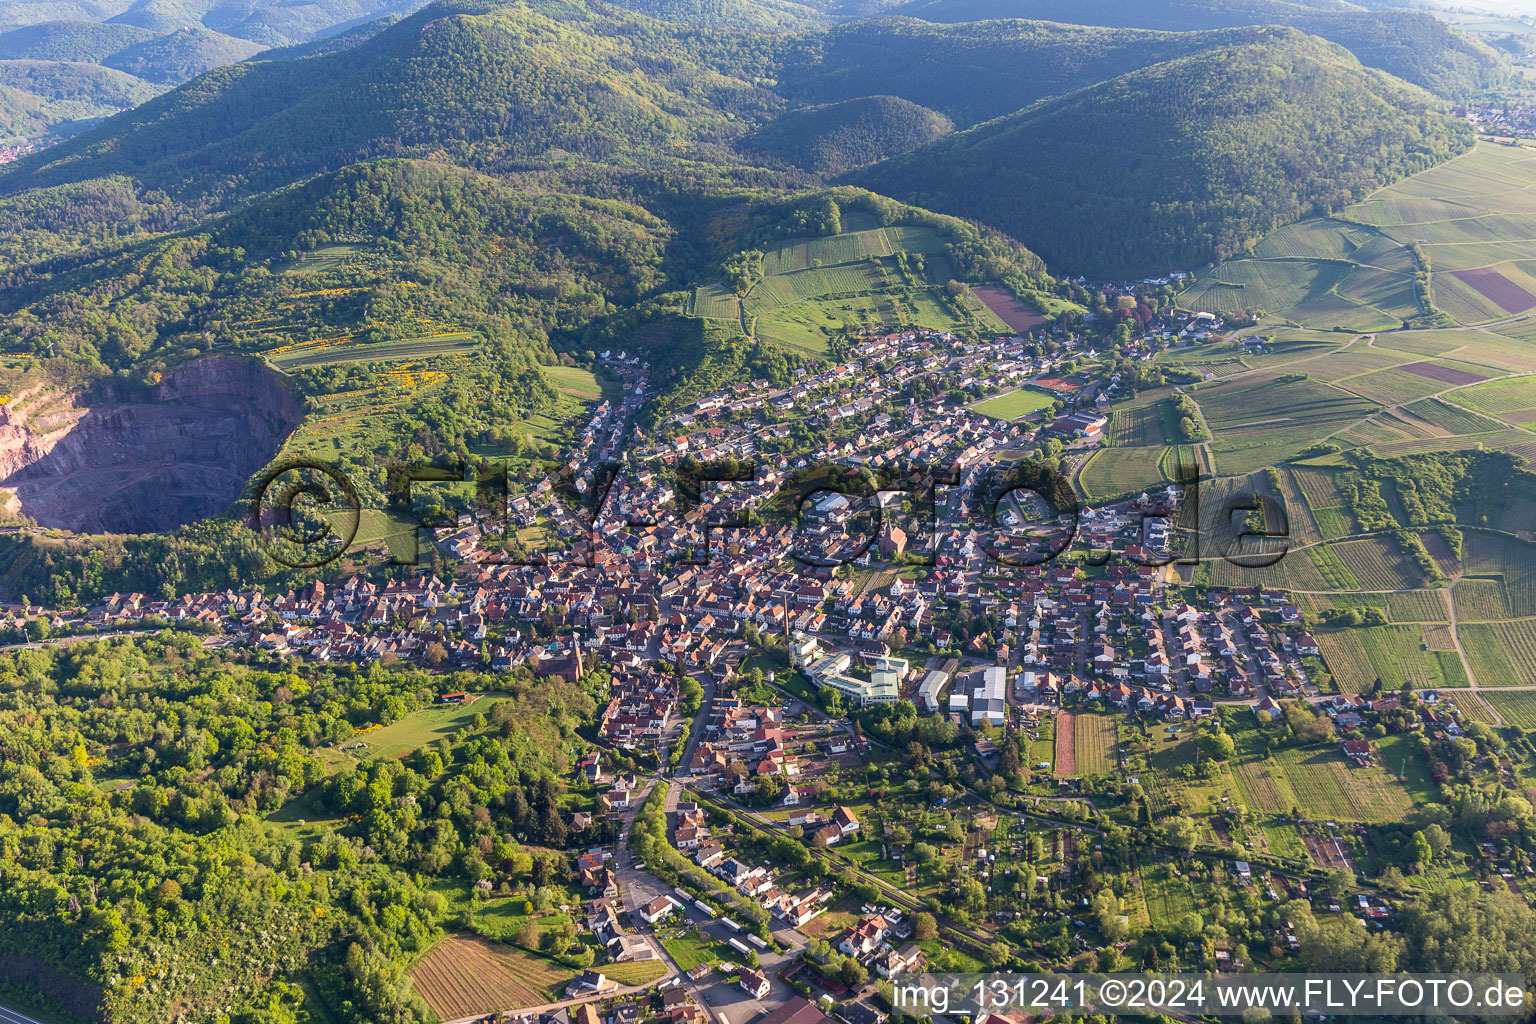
(973,72)
(841,137)
(1413,45)
(491,87)
(1109,151)
(1183,162)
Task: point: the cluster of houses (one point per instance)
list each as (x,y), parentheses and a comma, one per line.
(872,942)
(757,883)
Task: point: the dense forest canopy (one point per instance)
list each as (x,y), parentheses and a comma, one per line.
(1414,45)
(840,137)
(1185,161)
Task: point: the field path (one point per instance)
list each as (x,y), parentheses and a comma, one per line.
(1450,609)
(1066,743)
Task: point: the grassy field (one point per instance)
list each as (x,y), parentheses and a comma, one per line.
(636,972)
(1393,654)
(1114,471)
(414,730)
(583,383)
(1014,404)
(693,948)
(466,975)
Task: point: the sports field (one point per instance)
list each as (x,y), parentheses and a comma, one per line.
(1014,404)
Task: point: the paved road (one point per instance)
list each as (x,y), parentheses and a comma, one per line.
(696,732)
(9,1016)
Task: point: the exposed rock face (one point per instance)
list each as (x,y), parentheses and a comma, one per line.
(145,460)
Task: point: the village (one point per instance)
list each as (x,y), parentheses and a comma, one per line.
(745,646)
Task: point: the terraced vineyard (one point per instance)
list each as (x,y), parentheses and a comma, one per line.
(815,288)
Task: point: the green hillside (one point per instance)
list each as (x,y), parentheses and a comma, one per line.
(489,87)
(54,96)
(82,41)
(841,137)
(180,55)
(1187,161)
(266,23)
(973,72)
(1413,45)
(746,15)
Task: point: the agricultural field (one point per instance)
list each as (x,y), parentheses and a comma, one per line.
(1115,471)
(1263,420)
(1512,399)
(1321,784)
(1309,292)
(1476,705)
(1450,419)
(1142,424)
(1392,386)
(1509,562)
(395,531)
(849,247)
(1408,606)
(1377,563)
(1095,744)
(1332,568)
(1517,707)
(1480,599)
(1392,653)
(1501,653)
(1015,404)
(1472,215)
(466,975)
